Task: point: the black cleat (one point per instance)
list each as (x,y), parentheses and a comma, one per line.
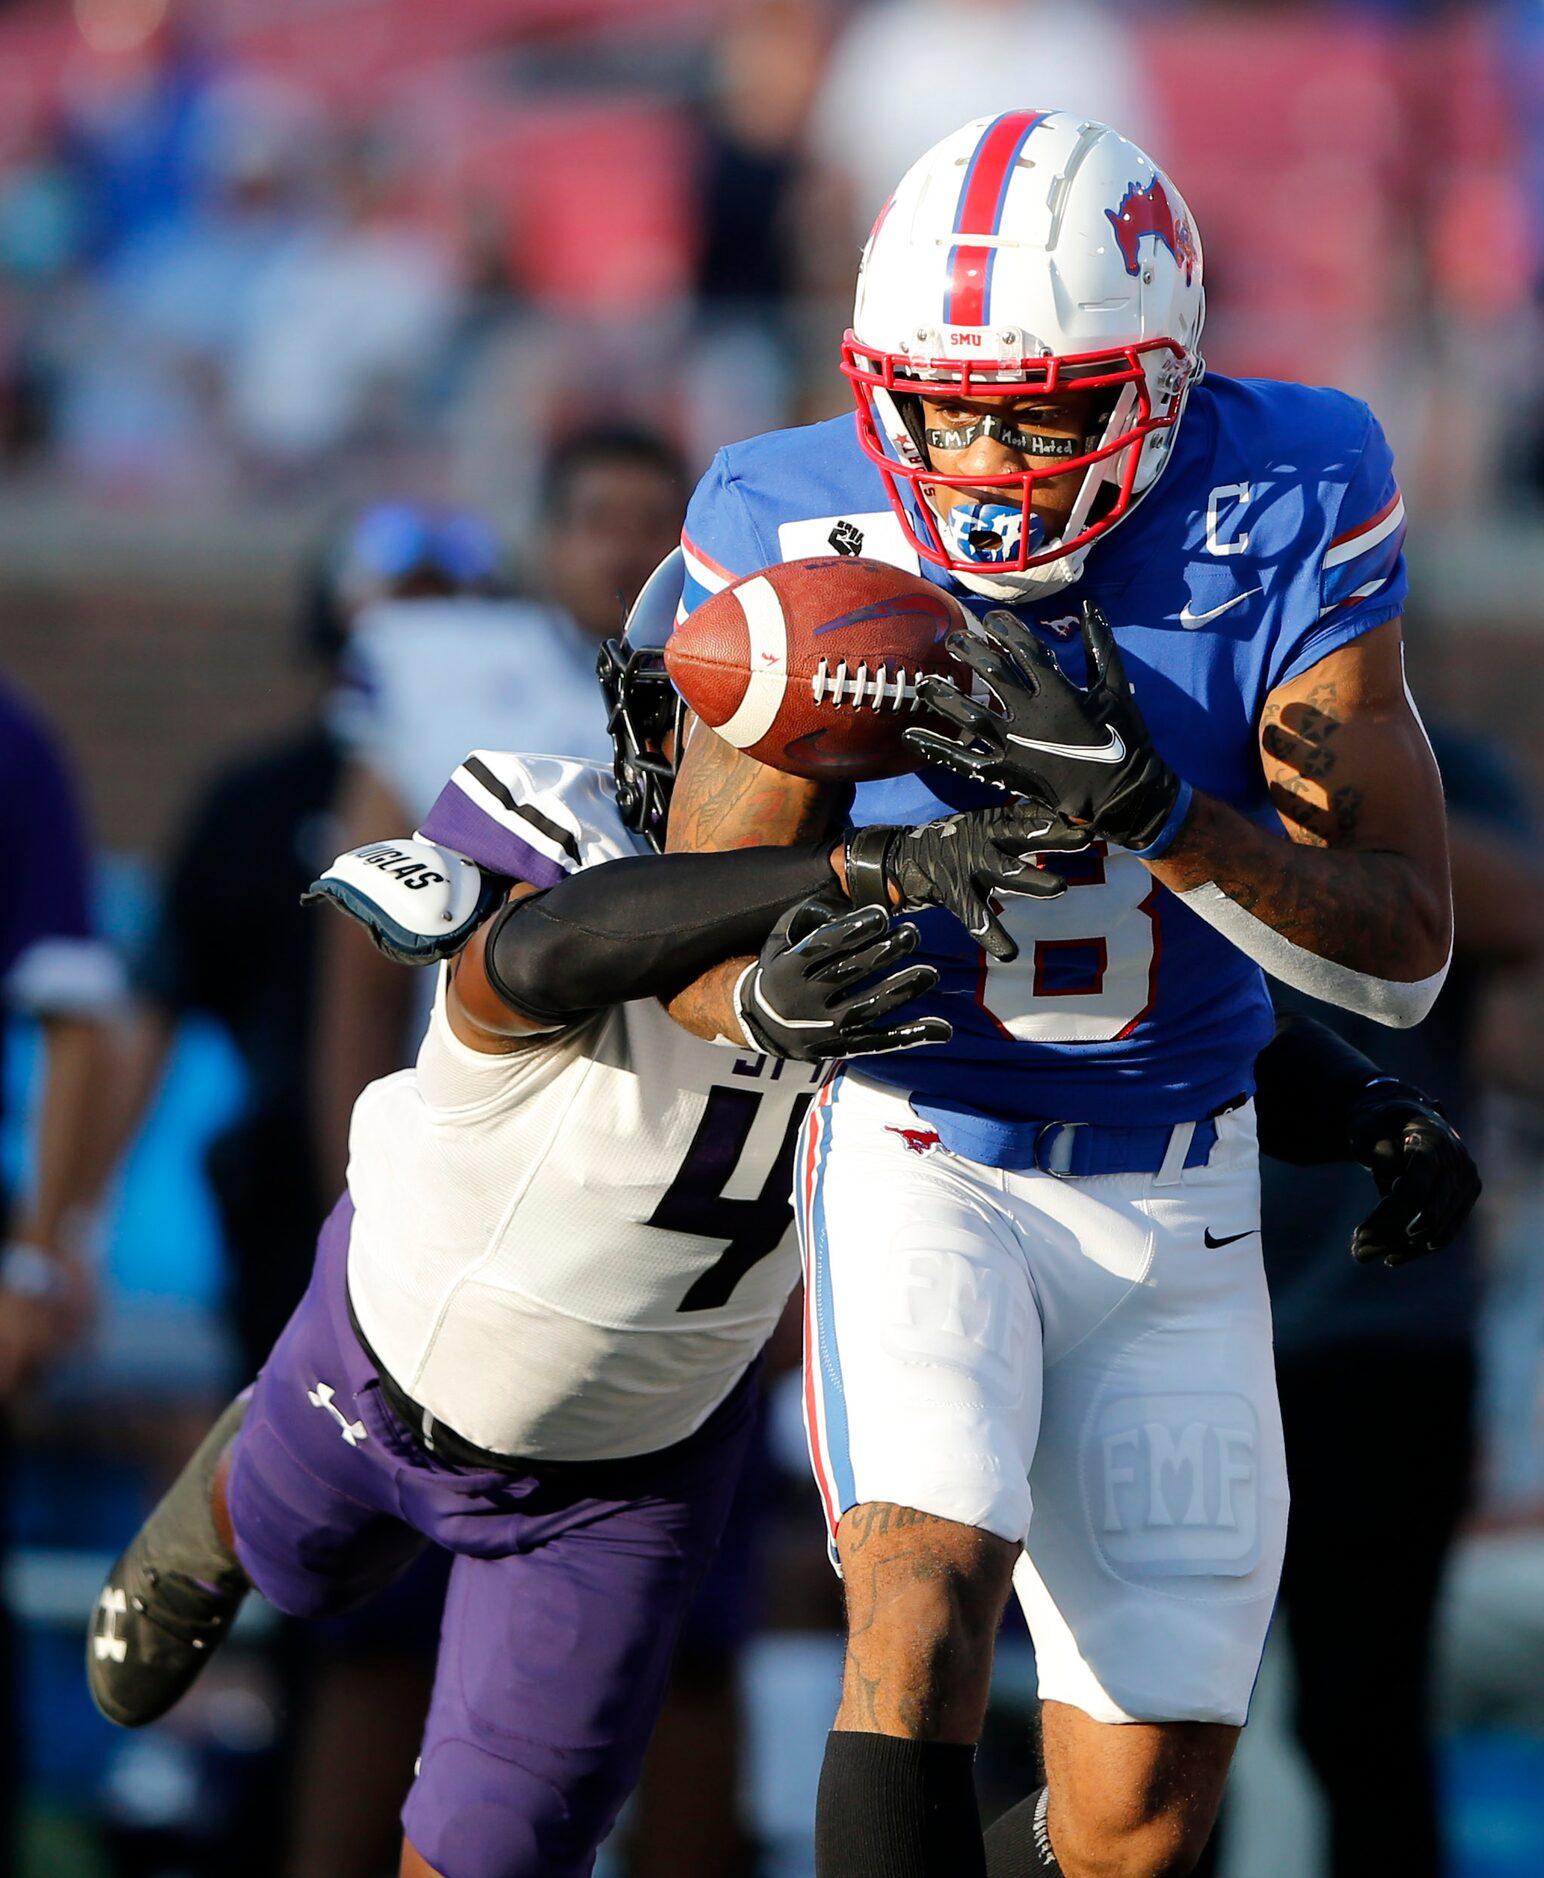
(169,1599)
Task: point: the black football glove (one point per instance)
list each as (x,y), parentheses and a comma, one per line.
(959,863)
(1424,1172)
(1085,755)
(816,992)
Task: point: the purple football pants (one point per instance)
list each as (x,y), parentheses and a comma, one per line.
(567,1591)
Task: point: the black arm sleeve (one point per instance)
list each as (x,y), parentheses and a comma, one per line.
(1307,1081)
(644,928)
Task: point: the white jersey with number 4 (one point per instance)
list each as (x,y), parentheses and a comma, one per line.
(570,1252)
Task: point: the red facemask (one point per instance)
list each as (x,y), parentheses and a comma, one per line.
(904,466)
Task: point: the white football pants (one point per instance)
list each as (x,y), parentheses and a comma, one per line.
(1081,1364)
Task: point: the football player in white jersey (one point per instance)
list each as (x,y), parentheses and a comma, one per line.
(531,1331)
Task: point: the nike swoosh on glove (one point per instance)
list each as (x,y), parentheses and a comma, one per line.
(822,984)
(1084,754)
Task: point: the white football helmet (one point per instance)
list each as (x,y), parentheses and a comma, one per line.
(1024,254)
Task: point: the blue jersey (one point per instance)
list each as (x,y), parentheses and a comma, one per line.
(1273,536)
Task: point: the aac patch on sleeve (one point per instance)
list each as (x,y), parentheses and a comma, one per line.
(418,901)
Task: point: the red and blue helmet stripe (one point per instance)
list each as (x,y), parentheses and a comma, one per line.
(968,293)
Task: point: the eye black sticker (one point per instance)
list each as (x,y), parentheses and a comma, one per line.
(1028,442)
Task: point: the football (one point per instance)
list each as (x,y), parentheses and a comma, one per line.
(812,666)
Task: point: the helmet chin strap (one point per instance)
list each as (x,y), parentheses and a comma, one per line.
(1035,583)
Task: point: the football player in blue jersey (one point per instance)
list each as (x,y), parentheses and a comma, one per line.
(1038,1337)
(615,1197)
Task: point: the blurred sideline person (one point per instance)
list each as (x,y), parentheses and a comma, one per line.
(257,835)
(55,970)
(755,242)
(423,685)
(1368,1508)
(881,102)
(271,810)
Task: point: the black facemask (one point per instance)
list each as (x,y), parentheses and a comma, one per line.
(643,708)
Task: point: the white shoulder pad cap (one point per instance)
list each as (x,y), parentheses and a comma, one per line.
(420,902)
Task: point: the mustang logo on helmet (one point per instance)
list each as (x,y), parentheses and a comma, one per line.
(1149,212)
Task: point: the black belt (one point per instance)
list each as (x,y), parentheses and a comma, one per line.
(442,1441)
(438,1437)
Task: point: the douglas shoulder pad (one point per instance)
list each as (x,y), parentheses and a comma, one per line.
(419,902)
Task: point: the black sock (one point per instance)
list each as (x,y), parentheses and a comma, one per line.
(897,1809)
(1019,1844)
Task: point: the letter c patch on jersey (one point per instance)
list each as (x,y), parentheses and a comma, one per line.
(1234,499)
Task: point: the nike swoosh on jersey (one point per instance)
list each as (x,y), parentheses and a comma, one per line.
(1190,620)
(1111,752)
(1227,1238)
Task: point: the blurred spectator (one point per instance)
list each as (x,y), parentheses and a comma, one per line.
(907,72)
(257,834)
(431,680)
(291,306)
(130,104)
(767,64)
(52,969)
(143,358)
(42,217)
(1522,57)
(751,195)
(1491,1625)
(346,328)
(192,290)
(257,166)
(1377,1374)
(423,684)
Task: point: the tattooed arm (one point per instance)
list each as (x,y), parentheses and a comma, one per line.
(1362,884)
(706,1006)
(723,799)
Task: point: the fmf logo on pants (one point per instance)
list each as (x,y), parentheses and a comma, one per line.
(951,1313)
(1175,1483)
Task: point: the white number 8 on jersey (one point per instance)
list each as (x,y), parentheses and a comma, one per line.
(1085,970)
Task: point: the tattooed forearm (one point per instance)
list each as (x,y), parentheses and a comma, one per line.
(706,1006)
(1301,735)
(723,800)
(1373,911)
